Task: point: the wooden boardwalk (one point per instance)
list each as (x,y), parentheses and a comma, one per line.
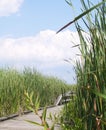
(19,123)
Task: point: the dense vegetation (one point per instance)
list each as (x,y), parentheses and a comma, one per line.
(14,84)
(88,112)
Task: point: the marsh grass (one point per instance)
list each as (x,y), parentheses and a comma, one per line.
(14,84)
(90,105)
(91,72)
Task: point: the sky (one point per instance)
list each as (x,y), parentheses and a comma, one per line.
(28,37)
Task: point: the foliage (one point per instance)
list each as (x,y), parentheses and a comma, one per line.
(34,106)
(91,71)
(90,105)
(13,84)
(68,119)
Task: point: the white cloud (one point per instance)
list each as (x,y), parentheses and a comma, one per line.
(8,7)
(45,51)
(46,47)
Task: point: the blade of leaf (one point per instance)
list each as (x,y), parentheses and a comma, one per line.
(32,122)
(44,114)
(97,93)
(68,2)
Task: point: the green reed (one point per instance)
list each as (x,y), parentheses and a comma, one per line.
(90,104)
(14,84)
(91,71)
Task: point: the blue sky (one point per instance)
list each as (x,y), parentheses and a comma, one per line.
(34,15)
(28,36)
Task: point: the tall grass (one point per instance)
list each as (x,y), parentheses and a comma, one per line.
(90,105)
(13,85)
(91,72)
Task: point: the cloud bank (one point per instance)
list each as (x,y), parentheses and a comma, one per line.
(8,7)
(45,51)
(47,46)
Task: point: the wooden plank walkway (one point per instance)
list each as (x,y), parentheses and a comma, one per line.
(19,123)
